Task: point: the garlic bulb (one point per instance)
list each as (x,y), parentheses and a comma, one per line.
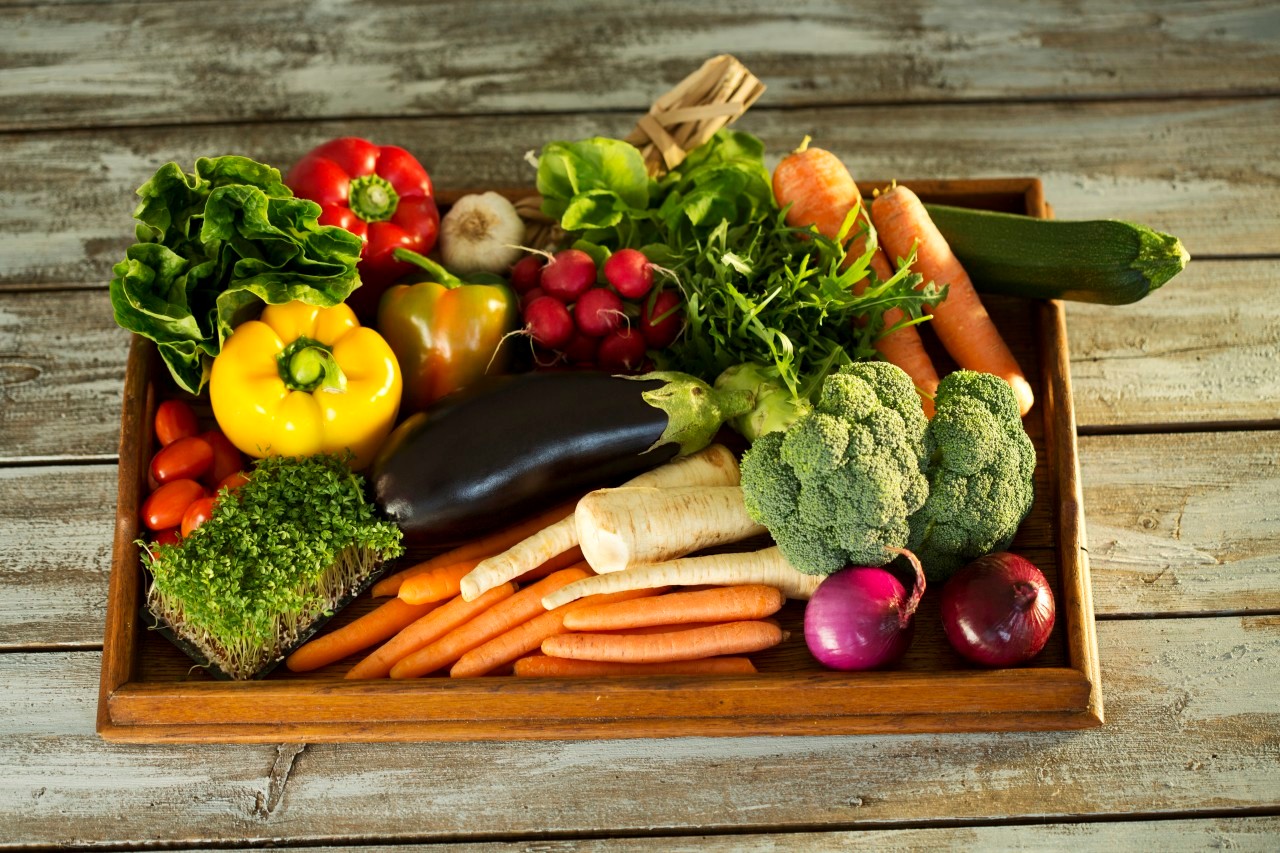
(480,233)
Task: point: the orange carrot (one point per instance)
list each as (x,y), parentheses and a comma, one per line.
(370,629)
(485,546)
(726,604)
(502,617)
(427,630)
(561,561)
(960,320)
(728,638)
(821,193)
(528,637)
(436,585)
(544,666)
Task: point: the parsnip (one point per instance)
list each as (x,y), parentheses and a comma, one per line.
(713,466)
(621,528)
(766,567)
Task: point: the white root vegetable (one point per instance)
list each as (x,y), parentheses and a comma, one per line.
(766,567)
(712,466)
(621,528)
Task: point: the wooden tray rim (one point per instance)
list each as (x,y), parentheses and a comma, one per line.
(317,710)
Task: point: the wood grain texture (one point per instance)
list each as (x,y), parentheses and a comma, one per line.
(1198,169)
(126,63)
(1183,522)
(55,554)
(1204,347)
(1244,834)
(61,376)
(1192,717)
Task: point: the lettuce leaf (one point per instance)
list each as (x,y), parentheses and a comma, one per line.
(213,246)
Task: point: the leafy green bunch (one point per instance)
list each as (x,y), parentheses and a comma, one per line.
(281,551)
(757,292)
(212,247)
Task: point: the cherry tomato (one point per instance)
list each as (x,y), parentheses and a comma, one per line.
(226,458)
(185,459)
(232,482)
(197,514)
(175,420)
(172,536)
(165,506)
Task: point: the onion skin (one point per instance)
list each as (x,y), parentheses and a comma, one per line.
(998,611)
(860,618)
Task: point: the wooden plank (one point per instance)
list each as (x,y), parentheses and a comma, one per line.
(1187,167)
(55,554)
(1203,348)
(61,375)
(1173,836)
(138,64)
(1192,716)
(1183,522)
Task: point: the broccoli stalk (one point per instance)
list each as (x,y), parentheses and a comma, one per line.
(981,465)
(837,487)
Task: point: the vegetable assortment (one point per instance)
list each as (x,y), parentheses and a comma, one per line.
(776,304)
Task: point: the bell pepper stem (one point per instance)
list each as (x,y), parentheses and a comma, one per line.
(308,365)
(442,276)
(372,198)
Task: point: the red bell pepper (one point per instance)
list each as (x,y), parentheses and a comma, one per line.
(379,193)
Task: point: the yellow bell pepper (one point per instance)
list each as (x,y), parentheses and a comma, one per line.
(303,380)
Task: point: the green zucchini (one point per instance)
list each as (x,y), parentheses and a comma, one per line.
(1101,260)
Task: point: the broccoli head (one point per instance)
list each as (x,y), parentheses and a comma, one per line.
(837,487)
(980,465)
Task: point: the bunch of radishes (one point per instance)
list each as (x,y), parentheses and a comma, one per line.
(584,317)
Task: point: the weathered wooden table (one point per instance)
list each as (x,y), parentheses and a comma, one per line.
(1157,112)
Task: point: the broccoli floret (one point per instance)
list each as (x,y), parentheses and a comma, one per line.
(838,486)
(980,466)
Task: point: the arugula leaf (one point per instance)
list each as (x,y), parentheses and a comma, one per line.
(213,246)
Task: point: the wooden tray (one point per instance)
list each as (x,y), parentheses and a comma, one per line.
(150,693)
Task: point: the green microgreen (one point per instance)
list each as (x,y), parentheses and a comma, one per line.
(277,554)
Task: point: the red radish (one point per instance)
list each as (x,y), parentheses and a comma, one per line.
(621,351)
(548,322)
(581,349)
(569,275)
(528,296)
(598,312)
(526,273)
(998,610)
(661,319)
(630,272)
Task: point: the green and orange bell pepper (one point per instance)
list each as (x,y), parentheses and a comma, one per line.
(445,332)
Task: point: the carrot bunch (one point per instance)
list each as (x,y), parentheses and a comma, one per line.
(821,192)
(689,632)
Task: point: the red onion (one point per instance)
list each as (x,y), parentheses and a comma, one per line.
(998,610)
(860,617)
